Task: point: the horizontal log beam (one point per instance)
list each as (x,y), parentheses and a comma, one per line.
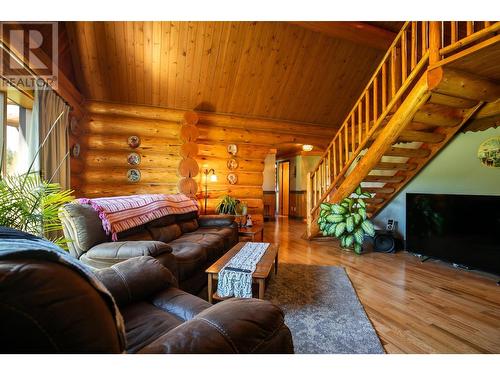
(407,152)
(356,32)
(395,166)
(208,118)
(438,115)
(462,84)
(419,136)
(385,179)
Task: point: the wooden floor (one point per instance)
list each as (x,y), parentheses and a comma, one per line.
(415,307)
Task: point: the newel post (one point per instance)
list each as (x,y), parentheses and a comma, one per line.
(434,42)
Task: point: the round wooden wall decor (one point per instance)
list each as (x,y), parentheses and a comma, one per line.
(232,164)
(188,168)
(489,152)
(134,158)
(133,141)
(191,118)
(232,178)
(75,150)
(73,126)
(189,133)
(189,150)
(232,149)
(133,175)
(187,186)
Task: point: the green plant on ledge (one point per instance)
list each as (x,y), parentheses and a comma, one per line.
(31,204)
(347,221)
(227,205)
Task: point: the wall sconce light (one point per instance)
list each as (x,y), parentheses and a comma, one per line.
(213,178)
(307,148)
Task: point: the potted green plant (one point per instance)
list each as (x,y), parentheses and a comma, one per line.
(242,208)
(31,204)
(227,205)
(347,221)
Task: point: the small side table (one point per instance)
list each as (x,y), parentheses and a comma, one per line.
(252,232)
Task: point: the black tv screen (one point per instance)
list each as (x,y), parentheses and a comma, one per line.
(461,229)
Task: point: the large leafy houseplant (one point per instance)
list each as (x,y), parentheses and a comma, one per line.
(31,204)
(227,205)
(347,221)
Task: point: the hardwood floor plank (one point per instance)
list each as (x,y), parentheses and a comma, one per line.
(415,307)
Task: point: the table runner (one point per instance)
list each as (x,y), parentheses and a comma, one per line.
(121,213)
(235,278)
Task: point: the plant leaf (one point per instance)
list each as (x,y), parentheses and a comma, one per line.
(349,224)
(339,229)
(359,235)
(338,209)
(368,228)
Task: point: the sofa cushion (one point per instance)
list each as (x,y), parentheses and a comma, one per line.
(177,302)
(187,216)
(144,323)
(213,244)
(165,234)
(189,225)
(228,235)
(109,253)
(134,234)
(162,221)
(82,224)
(190,258)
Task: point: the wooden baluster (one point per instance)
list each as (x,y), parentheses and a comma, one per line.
(329,166)
(470,28)
(346,142)
(384,87)
(353,133)
(334,159)
(360,121)
(454,31)
(404,57)
(315,186)
(367,112)
(341,154)
(414,45)
(375,100)
(434,42)
(424,37)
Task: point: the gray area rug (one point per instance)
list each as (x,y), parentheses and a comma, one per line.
(322,310)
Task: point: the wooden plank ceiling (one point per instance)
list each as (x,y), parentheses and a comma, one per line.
(274,70)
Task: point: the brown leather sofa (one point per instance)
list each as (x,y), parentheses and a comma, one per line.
(186,244)
(51,303)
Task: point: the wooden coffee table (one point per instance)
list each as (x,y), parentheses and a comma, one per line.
(252,232)
(262,269)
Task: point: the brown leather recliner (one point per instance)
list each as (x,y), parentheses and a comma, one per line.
(51,307)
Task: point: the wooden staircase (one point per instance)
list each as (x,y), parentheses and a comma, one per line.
(419,97)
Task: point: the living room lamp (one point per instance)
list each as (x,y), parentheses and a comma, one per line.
(213,178)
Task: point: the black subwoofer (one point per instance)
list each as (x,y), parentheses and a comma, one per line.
(383,242)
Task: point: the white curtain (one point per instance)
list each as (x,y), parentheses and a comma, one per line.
(51,114)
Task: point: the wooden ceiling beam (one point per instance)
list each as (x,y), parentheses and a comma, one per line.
(355,32)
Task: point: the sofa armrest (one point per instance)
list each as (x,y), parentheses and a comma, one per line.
(215,220)
(232,326)
(135,279)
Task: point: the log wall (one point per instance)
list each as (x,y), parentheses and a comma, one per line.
(101,169)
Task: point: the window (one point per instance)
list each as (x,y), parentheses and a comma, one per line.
(16,153)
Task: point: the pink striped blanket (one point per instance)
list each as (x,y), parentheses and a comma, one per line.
(121,213)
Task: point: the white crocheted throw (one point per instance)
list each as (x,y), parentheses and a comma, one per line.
(235,278)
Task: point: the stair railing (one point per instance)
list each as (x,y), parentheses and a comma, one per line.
(417,44)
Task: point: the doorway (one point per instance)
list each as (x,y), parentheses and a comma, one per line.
(283,185)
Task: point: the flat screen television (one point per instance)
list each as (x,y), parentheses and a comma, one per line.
(461,229)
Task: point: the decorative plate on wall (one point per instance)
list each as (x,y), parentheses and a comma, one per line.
(134,141)
(232,178)
(75,150)
(232,164)
(232,149)
(73,126)
(133,175)
(134,158)
(489,152)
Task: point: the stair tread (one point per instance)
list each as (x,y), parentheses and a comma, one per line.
(407,152)
(395,166)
